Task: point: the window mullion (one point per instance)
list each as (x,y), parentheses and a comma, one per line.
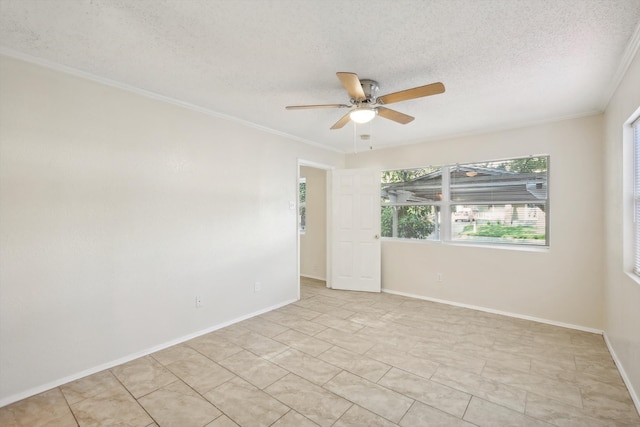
(445,207)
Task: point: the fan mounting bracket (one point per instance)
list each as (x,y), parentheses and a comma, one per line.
(369,87)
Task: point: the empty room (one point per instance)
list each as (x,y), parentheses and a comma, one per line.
(319,213)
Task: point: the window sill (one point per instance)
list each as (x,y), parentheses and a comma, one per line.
(633,277)
(506,246)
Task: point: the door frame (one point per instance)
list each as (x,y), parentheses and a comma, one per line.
(326,168)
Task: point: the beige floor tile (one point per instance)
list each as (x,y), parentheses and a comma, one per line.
(177,404)
(593,376)
(245,404)
(337,323)
(214,347)
(560,414)
(544,386)
(384,360)
(608,402)
(200,372)
(441,397)
(233,331)
(303,342)
(306,366)
(310,400)
(222,421)
(421,415)
(43,410)
(175,353)
(296,310)
(369,320)
(369,307)
(111,407)
(337,299)
(142,376)
(520,347)
(259,344)
(294,322)
(263,327)
(416,365)
(390,337)
(512,361)
(294,419)
(339,312)
(380,400)
(496,392)
(254,369)
(483,413)
(345,340)
(90,386)
(600,368)
(448,357)
(357,416)
(355,363)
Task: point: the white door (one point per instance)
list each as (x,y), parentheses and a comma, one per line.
(355,230)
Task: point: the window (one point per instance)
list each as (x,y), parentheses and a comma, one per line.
(636,193)
(490,202)
(302,205)
(409,203)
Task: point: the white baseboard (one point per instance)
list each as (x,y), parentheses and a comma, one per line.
(61,381)
(623,373)
(500,312)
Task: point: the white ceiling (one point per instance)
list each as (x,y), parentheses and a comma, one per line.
(505,63)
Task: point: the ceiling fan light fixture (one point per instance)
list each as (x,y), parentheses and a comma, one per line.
(362,115)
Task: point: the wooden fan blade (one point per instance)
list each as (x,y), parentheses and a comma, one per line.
(343,121)
(305,107)
(416,92)
(394,115)
(351,83)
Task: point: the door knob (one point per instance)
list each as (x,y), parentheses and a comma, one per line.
(376,236)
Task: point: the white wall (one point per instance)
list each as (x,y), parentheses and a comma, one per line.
(622,291)
(313,243)
(116,210)
(562,284)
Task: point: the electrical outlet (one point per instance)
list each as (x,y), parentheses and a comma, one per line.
(257,287)
(198,301)
(439,277)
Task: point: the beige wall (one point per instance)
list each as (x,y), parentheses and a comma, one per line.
(562,284)
(313,243)
(117,210)
(622,291)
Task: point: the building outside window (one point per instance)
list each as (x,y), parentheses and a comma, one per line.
(503,202)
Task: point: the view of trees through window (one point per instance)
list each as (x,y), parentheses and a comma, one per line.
(493,202)
(302,205)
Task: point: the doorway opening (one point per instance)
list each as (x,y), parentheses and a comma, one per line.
(312,222)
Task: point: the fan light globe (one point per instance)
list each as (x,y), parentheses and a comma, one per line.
(362,115)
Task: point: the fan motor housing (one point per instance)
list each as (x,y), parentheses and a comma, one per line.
(369,87)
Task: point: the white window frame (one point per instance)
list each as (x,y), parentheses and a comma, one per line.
(635,126)
(444,228)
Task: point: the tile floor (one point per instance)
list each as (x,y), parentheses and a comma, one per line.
(353,359)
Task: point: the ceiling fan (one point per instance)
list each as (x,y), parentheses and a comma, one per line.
(364,105)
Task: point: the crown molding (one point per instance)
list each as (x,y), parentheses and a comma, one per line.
(156,96)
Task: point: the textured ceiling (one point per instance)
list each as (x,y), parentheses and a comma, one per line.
(505,63)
